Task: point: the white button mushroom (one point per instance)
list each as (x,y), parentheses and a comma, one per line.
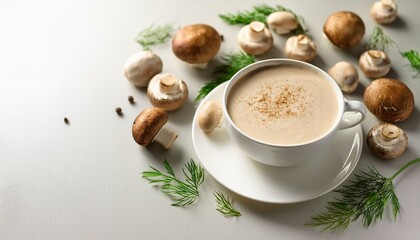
(300,47)
(255,38)
(384,11)
(210,116)
(374,63)
(387,141)
(345,75)
(167,91)
(149,126)
(282,22)
(141,67)
(196,44)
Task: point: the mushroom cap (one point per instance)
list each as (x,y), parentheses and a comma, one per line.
(196,43)
(282,22)
(387,141)
(167,91)
(210,116)
(384,12)
(344,29)
(147,124)
(255,38)
(345,75)
(301,48)
(371,69)
(390,100)
(141,67)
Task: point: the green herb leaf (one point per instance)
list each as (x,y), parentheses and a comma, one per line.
(260,13)
(365,197)
(182,192)
(413,58)
(232,63)
(154,35)
(225,205)
(379,41)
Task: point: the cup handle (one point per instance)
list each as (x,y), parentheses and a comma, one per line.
(354,114)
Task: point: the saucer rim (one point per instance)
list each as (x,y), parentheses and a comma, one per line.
(353,162)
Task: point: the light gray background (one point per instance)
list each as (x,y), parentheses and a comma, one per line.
(82,181)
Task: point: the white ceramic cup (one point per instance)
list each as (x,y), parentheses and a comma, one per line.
(288,155)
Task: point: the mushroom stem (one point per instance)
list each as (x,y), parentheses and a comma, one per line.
(168,84)
(375,58)
(256,32)
(390,132)
(303,42)
(387,141)
(165,137)
(199,65)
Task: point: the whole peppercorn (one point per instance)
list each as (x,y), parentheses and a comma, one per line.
(118,110)
(131,99)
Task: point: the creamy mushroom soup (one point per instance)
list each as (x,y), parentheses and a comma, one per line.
(283,104)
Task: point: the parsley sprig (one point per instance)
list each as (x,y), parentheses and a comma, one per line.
(183,192)
(365,197)
(232,63)
(260,13)
(413,58)
(225,205)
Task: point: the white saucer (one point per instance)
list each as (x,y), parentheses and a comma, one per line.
(254,180)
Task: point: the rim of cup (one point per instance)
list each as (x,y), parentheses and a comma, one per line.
(276,62)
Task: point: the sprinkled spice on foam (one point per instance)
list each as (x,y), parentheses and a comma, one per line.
(283,101)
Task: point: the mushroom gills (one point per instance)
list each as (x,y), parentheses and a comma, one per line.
(387,140)
(167,91)
(255,38)
(301,48)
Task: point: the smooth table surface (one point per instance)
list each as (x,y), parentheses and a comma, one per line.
(83,180)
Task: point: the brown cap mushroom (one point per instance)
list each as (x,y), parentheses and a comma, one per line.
(344,29)
(141,67)
(255,38)
(390,100)
(387,141)
(282,22)
(167,91)
(345,75)
(196,44)
(374,63)
(149,126)
(300,47)
(384,11)
(210,116)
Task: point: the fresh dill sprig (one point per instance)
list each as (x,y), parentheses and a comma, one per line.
(154,35)
(413,58)
(225,205)
(183,192)
(232,63)
(378,40)
(260,13)
(367,197)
